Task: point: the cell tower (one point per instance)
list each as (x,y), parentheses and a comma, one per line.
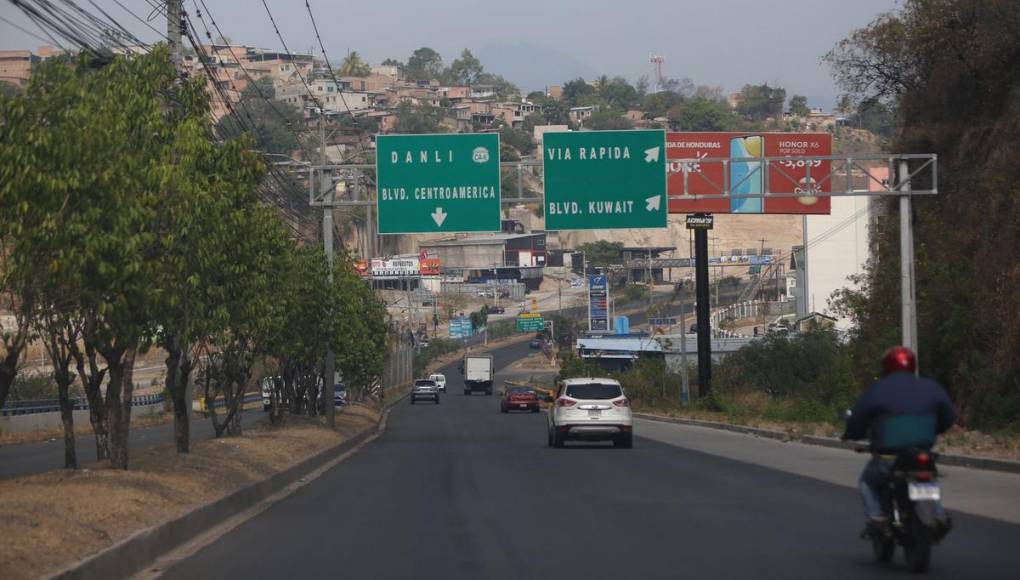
(657,60)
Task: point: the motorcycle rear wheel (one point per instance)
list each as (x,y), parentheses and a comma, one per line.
(884,548)
(917,546)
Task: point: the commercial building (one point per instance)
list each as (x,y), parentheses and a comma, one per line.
(497,257)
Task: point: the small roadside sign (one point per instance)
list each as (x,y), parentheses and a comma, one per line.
(530,323)
(700,221)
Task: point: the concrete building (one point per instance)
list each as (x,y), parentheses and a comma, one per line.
(578,115)
(839,247)
(514,113)
(517,250)
(16,66)
(332,97)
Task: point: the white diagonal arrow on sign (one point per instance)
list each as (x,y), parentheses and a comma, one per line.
(439,217)
(652,155)
(652,203)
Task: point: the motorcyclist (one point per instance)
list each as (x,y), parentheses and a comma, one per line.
(899,411)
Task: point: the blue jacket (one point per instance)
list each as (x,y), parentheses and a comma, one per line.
(901,411)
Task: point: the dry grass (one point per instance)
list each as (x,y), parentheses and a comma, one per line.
(51,520)
(957,441)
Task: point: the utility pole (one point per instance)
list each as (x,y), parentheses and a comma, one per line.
(174,32)
(806,287)
(328,381)
(685,386)
(908,314)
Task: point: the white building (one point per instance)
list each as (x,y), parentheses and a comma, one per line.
(333,98)
(838,247)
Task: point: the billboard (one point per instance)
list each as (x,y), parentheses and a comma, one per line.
(598,303)
(747,177)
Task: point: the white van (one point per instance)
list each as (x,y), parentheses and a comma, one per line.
(439,380)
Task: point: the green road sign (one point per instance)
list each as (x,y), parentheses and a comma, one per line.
(438,183)
(530,324)
(605,180)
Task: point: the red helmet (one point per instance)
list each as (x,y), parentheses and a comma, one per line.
(898,359)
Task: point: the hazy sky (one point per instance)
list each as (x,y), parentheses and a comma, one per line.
(714,42)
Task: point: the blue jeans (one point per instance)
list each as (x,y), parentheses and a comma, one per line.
(873,488)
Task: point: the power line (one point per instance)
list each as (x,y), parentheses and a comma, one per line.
(329,67)
(26,31)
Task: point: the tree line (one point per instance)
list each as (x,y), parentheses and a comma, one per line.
(948,69)
(128,224)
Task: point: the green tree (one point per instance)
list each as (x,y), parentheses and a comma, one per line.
(758,102)
(464,70)
(210,185)
(799,106)
(424,64)
(658,104)
(607,120)
(517,139)
(277,125)
(503,88)
(578,92)
(619,93)
(948,68)
(602,253)
(418,118)
(96,141)
(704,115)
(556,112)
(533,120)
(354,66)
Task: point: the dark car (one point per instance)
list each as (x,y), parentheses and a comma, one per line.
(535,344)
(496,310)
(518,399)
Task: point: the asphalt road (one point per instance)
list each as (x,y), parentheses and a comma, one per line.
(30,458)
(458,490)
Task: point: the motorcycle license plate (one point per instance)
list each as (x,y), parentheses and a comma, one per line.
(594,413)
(924,492)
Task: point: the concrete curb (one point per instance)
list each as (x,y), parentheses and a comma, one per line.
(138,551)
(985,463)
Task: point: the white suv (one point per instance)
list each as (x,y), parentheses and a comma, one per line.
(439,380)
(591,409)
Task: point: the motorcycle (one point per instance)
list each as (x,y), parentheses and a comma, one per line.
(909,499)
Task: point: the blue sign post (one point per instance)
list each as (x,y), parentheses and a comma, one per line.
(598,304)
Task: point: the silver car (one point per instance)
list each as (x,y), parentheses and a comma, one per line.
(424,389)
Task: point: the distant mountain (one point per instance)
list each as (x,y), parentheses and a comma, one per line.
(532,67)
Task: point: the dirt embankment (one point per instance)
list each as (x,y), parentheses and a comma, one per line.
(51,520)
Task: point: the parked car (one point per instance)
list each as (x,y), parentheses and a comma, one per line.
(440,380)
(339,395)
(518,399)
(591,409)
(424,389)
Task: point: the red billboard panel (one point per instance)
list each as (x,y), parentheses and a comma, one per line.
(745,178)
